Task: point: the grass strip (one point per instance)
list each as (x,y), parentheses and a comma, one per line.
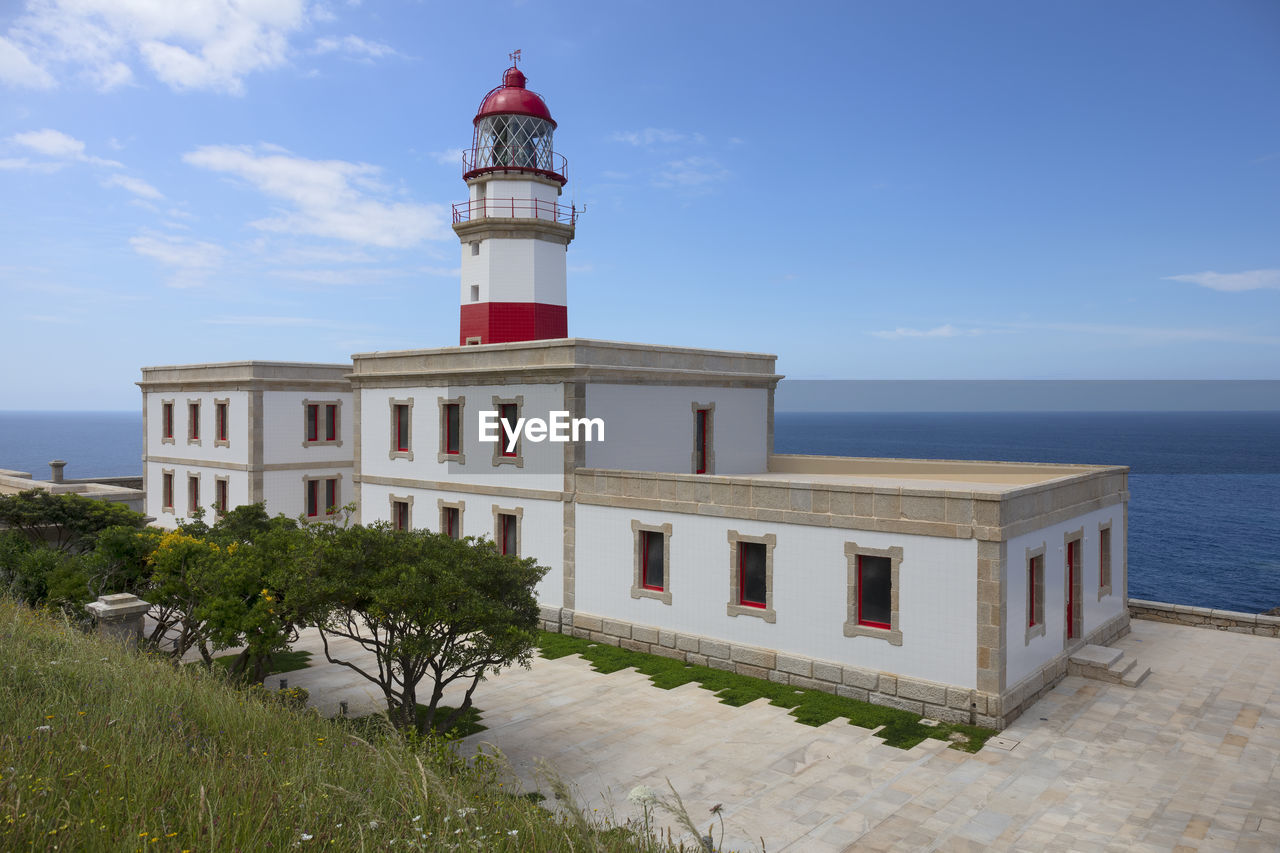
(902,729)
(281,662)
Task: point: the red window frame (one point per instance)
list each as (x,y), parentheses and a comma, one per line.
(1104,558)
(193,418)
(1031,591)
(402,427)
(1073,564)
(330,422)
(507,525)
(647,538)
(450,522)
(400,515)
(861,588)
(700,441)
(742,577)
(167,490)
(452,429)
(193,494)
(220,421)
(313,498)
(313,422)
(508,415)
(220,496)
(166,420)
(330,495)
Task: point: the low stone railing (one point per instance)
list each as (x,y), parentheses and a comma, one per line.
(1204,617)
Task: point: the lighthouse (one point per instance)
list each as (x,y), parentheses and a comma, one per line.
(513,228)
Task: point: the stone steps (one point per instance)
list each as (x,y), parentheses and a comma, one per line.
(1106,664)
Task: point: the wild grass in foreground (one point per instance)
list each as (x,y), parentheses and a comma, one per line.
(811,707)
(105,750)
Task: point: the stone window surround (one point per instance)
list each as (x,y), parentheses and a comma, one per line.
(193,491)
(394,499)
(171,404)
(461,507)
(498,458)
(710,409)
(638,589)
(1077,614)
(393,453)
(1035,608)
(218,512)
(1104,560)
(225,402)
(518,512)
(852,628)
(320,513)
(324,442)
(735,607)
(461,456)
(173,481)
(473,341)
(193,424)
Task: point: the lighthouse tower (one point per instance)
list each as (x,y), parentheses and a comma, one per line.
(513,229)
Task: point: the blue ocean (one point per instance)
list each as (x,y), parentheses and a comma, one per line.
(1204,511)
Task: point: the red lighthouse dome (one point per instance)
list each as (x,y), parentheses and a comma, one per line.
(513,131)
(512,98)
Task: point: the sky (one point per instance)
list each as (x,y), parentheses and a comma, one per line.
(870,190)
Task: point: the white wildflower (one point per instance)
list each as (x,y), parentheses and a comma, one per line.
(417,818)
(643,795)
(44,728)
(306,837)
(513,833)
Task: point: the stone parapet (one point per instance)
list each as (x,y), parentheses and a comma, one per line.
(1203,617)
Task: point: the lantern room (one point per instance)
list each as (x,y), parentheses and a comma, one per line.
(513,131)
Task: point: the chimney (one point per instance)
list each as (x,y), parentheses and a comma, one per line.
(56,467)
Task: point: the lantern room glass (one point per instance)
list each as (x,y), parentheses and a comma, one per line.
(513,141)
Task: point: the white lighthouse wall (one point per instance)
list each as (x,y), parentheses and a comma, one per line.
(514,270)
(1025,657)
(937,598)
(541,524)
(651,427)
(542,463)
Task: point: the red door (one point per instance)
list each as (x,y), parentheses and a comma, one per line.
(1071,589)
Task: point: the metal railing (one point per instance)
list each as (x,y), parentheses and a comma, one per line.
(528,158)
(515,208)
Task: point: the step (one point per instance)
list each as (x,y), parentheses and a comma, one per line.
(1120,669)
(1138,678)
(1096,656)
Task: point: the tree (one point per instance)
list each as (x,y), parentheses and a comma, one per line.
(65,522)
(119,562)
(425,605)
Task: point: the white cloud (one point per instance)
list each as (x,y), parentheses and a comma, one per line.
(193,44)
(354,47)
(58,146)
(326,198)
(260,320)
(692,173)
(655,136)
(192,261)
(137,186)
(17,69)
(1233,282)
(945,331)
(448,157)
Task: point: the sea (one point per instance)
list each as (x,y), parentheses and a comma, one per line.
(1204,507)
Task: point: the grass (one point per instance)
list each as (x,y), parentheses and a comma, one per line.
(811,707)
(281,662)
(107,750)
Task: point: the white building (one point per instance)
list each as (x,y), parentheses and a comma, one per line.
(954,589)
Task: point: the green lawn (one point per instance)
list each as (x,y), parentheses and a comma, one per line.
(811,707)
(280,661)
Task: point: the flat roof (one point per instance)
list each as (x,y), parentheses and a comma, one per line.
(922,474)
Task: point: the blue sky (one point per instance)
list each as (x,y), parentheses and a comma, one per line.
(888,190)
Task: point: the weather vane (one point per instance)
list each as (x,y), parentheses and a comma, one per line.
(515,57)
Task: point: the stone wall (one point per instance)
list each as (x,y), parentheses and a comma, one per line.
(1204,617)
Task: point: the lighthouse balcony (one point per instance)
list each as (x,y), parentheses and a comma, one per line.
(532,156)
(514,208)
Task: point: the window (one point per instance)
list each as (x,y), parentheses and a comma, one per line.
(221,430)
(193,493)
(1074,579)
(1035,592)
(1104,560)
(193,422)
(873,592)
(751,575)
(508,410)
(703,432)
(320,423)
(475,297)
(451,518)
(166,491)
(651,560)
(474,341)
(508,534)
(220,488)
(451,430)
(321,496)
(401,429)
(651,576)
(166,422)
(400,515)
(475,250)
